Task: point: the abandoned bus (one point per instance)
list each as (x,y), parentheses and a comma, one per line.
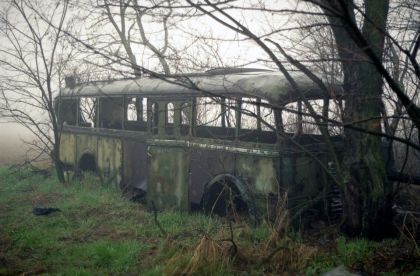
(182,139)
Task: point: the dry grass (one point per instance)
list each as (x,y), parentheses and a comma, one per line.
(234,248)
(288,257)
(208,258)
(281,221)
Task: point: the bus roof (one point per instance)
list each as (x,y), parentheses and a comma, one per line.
(269,85)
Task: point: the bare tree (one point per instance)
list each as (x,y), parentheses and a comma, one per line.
(32,59)
(140,30)
(355,51)
(358,34)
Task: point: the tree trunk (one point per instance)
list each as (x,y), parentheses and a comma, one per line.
(367,191)
(59,167)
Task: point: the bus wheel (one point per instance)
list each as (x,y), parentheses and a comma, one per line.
(227,196)
(87,163)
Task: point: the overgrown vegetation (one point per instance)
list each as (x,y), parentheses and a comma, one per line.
(98,232)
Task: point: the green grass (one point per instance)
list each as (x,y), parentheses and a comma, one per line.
(98,232)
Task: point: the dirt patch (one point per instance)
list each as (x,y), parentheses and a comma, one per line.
(147,258)
(41,200)
(9,265)
(112,233)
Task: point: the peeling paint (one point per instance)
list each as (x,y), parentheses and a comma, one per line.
(109,159)
(168,178)
(68,148)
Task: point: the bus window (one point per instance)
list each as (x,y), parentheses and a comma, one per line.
(132,110)
(153,117)
(229,113)
(249,113)
(335,112)
(170,113)
(255,121)
(111,112)
(170,116)
(185,118)
(308,122)
(136,114)
(87,111)
(268,122)
(209,112)
(290,117)
(66,111)
(144,108)
(185,114)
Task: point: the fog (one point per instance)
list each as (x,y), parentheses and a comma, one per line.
(12,146)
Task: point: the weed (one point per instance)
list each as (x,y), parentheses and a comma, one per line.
(209,257)
(99,232)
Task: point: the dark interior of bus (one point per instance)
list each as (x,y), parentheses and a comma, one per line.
(215,118)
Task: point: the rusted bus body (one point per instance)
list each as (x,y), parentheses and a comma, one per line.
(177,158)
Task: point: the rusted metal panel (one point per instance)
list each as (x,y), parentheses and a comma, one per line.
(86,144)
(109,156)
(135,164)
(68,149)
(304,180)
(168,177)
(204,166)
(308,175)
(260,173)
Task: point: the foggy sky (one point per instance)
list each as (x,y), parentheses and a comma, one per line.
(12,149)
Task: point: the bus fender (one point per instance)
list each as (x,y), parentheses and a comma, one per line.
(240,186)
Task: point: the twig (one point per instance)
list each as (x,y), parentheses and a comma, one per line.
(234,246)
(155,218)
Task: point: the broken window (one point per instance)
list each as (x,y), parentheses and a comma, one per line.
(170,113)
(136,114)
(214,116)
(132,109)
(144,108)
(111,112)
(209,112)
(153,117)
(335,112)
(185,114)
(249,112)
(185,118)
(309,126)
(66,111)
(290,118)
(268,122)
(87,107)
(255,121)
(229,107)
(137,109)
(170,116)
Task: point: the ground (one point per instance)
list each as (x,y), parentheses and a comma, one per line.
(99,232)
